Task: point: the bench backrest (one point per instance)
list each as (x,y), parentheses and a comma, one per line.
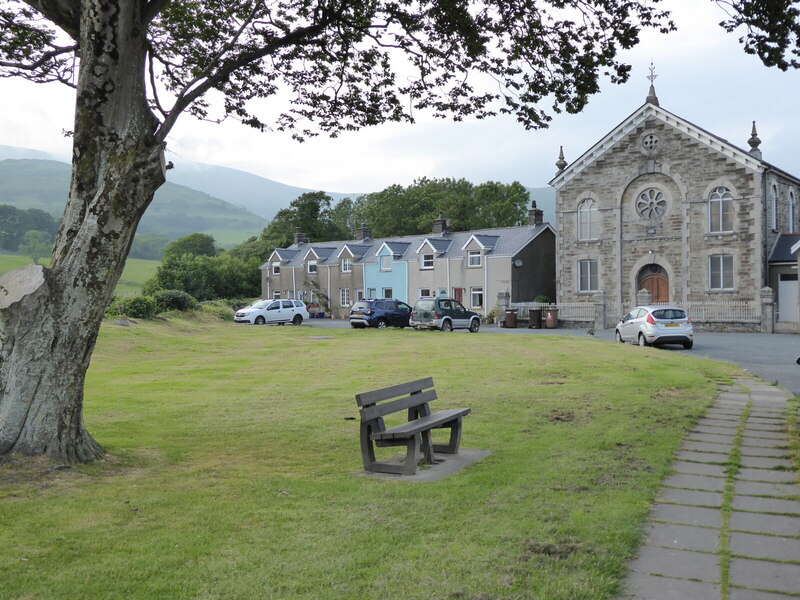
(412,396)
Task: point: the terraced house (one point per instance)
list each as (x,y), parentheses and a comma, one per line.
(471,266)
(662,205)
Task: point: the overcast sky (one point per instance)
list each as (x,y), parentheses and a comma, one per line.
(703,76)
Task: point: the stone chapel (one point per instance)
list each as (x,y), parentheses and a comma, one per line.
(663,205)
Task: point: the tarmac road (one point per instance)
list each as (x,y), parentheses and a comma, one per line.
(772,357)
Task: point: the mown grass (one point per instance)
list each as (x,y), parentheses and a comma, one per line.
(234,470)
(136,271)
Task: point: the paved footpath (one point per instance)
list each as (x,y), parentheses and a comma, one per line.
(720,533)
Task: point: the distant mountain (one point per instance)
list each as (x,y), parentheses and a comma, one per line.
(259,195)
(176,210)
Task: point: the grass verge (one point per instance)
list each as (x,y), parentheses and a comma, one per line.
(234,468)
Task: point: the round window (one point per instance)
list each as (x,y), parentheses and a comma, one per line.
(650,142)
(651,204)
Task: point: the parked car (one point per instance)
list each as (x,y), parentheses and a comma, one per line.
(446,314)
(379,312)
(272,311)
(656,325)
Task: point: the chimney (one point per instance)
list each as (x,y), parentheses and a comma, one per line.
(535,215)
(440,224)
(363,233)
(299,236)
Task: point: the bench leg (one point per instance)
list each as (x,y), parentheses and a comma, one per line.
(427,447)
(455,439)
(409,467)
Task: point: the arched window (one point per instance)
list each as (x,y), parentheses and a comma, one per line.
(773,201)
(588,226)
(720,210)
(790,224)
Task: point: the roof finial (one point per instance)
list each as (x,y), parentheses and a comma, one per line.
(754,142)
(561,164)
(651,95)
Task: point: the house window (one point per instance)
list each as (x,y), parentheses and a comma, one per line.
(311,267)
(476,297)
(276,268)
(276,294)
(344,297)
(474,258)
(425,293)
(386,262)
(359,294)
(720,272)
(426,261)
(587,276)
(371,292)
(347,265)
(587,220)
(791,213)
(773,218)
(720,210)
(388,293)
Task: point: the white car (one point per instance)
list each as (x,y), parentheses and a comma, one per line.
(272,311)
(656,325)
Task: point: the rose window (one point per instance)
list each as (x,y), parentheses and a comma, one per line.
(650,142)
(651,204)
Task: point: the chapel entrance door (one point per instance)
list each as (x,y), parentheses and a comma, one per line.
(654,279)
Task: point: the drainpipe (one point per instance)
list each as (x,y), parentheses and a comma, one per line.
(294,284)
(329,282)
(766,228)
(449,289)
(485,283)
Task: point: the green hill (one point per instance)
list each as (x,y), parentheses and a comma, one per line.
(176,210)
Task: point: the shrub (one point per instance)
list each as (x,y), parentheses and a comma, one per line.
(136,307)
(173,300)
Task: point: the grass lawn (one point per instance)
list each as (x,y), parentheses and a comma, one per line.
(136,271)
(234,470)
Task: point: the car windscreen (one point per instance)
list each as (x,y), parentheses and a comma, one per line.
(261,303)
(669,313)
(425,305)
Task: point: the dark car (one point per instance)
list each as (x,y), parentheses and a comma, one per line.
(379,312)
(446,314)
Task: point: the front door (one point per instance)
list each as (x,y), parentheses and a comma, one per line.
(654,279)
(787,298)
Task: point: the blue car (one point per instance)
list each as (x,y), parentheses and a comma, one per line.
(380,312)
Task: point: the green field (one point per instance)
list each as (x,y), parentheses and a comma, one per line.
(234,468)
(136,271)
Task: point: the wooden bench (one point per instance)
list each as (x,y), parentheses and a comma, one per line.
(415,434)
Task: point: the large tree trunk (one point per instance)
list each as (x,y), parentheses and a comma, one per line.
(49,318)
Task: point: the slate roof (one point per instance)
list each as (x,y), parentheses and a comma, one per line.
(782,250)
(505,241)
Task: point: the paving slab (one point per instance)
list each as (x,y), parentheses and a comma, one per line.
(744,594)
(711,421)
(710,437)
(682,537)
(696,482)
(753,545)
(715,429)
(705,457)
(688,515)
(765,523)
(760,442)
(752,451)
(708,446)
(683,564)
(763,435)
(690,497)
(767,505)
(757,488)
(447,464)
(651,587)
(767,420)
(765,575)
(771,475)
(695,468)
(756,428)
(764,462)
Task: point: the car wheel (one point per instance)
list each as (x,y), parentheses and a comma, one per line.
(447,326)
(298,319)
(688,345)
(618,336)
(260,320)
(474,326)
(642,340)
(381,324)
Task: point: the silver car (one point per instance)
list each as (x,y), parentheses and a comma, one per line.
(656,325)
(272,311)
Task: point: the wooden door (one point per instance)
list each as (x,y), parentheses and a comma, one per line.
(658,285)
